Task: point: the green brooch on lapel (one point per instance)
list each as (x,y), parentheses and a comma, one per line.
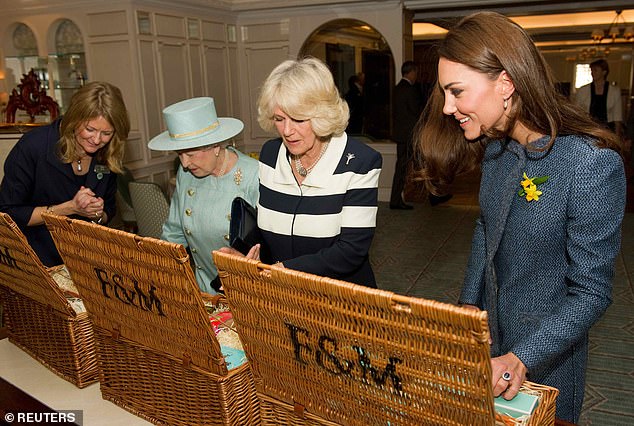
(100,169)
(529,187)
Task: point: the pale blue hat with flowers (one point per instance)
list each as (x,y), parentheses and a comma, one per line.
(193,123)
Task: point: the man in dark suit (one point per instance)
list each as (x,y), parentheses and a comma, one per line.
(354,98)
(407,106)
(409,101)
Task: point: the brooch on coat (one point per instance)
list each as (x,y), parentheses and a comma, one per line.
(237,176)
(100,170)
(529,187)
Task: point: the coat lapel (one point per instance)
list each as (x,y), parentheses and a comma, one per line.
(51,154)
(495,230)
(508,190)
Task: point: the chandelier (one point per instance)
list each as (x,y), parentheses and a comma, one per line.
(617,29)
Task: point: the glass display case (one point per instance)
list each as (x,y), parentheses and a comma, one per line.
(68,64)
(69,74)
(61,72)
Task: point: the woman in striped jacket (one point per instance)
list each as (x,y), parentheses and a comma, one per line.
(318,188)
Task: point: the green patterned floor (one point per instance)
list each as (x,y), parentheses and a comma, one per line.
(423,252)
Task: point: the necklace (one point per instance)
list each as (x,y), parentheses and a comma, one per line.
(303,171)
(79,165)
(225,161)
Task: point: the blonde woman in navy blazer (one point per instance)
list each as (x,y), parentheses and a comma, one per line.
(552,198)
(68,167)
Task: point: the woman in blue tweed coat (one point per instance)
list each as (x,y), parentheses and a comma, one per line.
(552,198)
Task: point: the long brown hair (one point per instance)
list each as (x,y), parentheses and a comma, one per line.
(490,43)
(93,100)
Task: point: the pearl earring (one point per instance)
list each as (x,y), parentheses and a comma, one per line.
(506,104)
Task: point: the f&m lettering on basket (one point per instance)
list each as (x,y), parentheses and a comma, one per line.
(318,362)
(114,284)
(326,354)
(147,312)
(7,259)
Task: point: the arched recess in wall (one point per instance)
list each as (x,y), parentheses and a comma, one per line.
(350,47)
(67,60)
(21,55)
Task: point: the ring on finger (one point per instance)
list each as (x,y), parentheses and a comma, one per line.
(506,376)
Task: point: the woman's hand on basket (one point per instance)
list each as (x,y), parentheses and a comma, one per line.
(230,250)
(508,374)
(471,307)
(254,253)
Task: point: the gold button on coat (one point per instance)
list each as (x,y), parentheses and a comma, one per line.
(191,192)
(188,212)
(227,237)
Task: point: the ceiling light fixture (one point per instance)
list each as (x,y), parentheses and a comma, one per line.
(615,29)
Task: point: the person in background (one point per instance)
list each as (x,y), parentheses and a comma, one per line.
(354,98)
(67,167)
(318,187)
(406,108)
(213,173)
(552,198)
(602,99)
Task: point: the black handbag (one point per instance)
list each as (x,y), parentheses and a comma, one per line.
(243,228)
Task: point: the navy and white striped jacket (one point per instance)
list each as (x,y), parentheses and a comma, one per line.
(325,225)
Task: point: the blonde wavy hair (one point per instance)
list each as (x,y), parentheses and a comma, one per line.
(305,90)
(96,99)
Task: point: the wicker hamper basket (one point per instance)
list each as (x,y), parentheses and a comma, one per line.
(4,317)
(158,355)
(326,352)
(41,321)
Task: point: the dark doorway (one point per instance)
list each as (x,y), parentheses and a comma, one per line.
(379,75)
(340,60)
(353,48)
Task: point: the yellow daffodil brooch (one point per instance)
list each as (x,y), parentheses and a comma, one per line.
(529,187)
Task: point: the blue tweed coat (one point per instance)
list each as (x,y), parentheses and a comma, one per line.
(543,269)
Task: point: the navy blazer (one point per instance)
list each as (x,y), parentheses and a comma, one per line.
(543,269)
(34,176)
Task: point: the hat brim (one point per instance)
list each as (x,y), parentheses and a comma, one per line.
(228,128)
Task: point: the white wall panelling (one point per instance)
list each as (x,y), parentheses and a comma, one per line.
(170,26)
(173,72)
(112,62)
(217,68)
(197,72)
(108,23)
(259,61)
(161,52)
(150,88)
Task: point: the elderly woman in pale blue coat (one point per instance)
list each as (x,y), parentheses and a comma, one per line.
(552,198)
(211,175)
